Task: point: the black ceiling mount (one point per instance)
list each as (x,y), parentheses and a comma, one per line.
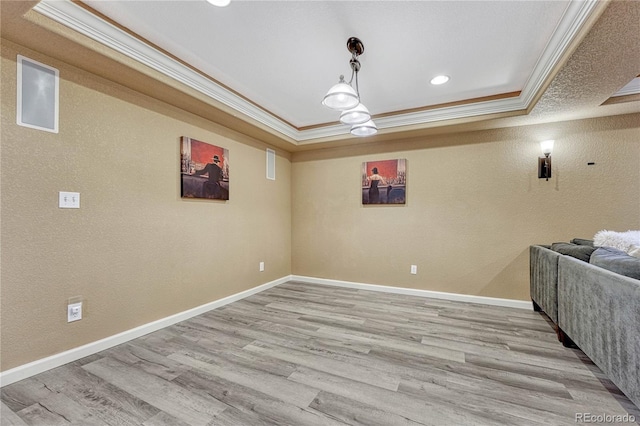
(355,46)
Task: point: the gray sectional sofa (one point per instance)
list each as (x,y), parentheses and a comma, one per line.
(592,295)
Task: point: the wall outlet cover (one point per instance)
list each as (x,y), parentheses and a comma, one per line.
(74,312)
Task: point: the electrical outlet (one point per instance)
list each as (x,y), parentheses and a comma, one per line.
(414,269)
(74,312)
(261,266)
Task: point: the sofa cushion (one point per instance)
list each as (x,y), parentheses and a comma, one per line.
(582,242)
(574,250)
(616,261)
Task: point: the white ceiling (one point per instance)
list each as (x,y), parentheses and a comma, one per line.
(284,56)
(273,61)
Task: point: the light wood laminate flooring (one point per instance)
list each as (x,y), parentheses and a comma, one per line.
(302,354)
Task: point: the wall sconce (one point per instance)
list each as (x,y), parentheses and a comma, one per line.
(544,163)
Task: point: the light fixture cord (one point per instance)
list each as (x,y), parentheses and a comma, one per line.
(355,67)
(353,72)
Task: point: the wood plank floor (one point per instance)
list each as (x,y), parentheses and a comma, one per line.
(301,354)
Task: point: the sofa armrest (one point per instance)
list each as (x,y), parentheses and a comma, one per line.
(600,311)
(543,279)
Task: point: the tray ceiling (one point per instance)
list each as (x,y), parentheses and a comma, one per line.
(273,61)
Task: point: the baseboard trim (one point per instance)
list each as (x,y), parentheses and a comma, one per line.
(509,303)
(31,369)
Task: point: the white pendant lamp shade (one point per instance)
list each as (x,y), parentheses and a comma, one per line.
(359,114)
(364,129)
(341,96)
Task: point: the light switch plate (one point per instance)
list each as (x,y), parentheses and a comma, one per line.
(69,200)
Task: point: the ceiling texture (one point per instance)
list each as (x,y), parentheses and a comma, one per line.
(268,64)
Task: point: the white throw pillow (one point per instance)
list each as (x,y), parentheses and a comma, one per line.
(629,241)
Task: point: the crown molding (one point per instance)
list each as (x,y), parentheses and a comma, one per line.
(84,22)
(573,20)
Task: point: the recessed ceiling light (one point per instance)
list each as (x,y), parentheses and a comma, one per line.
(219,3)
(440,79)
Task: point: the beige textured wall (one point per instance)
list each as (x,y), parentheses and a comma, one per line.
(135,251)
(474,205)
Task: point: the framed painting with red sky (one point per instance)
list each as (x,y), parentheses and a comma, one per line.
(384,182)
(204,170)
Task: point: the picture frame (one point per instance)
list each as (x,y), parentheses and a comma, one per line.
(204,170)
(384,182)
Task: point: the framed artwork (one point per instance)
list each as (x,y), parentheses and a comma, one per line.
(204,170)
(384,182)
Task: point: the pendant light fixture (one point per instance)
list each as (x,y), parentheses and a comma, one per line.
(357,115)
(364,129)
(343,97)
